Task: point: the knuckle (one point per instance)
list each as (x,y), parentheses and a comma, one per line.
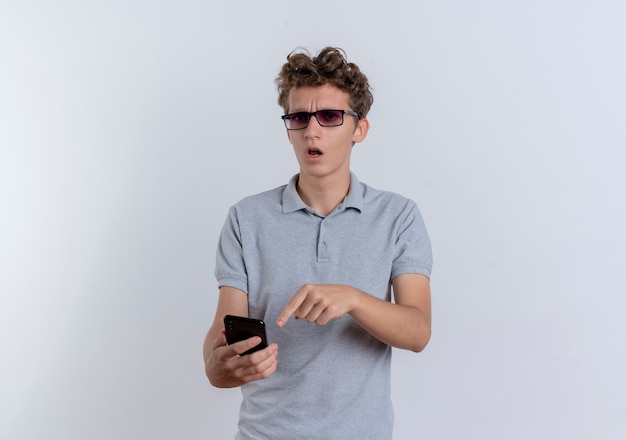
(238,374)
(255,369)
(269,371)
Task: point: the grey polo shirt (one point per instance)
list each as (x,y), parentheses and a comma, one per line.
(331,381)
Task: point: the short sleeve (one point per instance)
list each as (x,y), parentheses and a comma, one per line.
(413,252)
(230,267)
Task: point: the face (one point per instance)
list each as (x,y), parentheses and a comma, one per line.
(324,151)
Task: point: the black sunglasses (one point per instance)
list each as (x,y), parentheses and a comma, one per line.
(326,118)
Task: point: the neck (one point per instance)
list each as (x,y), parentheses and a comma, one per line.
(323,195)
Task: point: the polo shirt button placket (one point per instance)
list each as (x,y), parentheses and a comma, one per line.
(322,247)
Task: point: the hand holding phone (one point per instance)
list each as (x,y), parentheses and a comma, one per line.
(239,328)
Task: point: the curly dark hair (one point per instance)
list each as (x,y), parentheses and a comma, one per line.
(328,67)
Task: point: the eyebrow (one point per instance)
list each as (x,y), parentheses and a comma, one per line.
(318,110)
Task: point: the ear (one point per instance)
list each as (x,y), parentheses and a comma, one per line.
(361,130)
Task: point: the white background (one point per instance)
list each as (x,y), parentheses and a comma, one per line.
(127,129)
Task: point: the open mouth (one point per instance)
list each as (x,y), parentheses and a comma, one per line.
(314,152)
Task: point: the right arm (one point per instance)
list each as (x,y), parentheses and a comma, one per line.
(224,367)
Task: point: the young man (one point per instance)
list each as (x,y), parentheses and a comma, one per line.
(317,260)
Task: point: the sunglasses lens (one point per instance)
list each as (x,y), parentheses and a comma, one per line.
(330,118)
(296,121)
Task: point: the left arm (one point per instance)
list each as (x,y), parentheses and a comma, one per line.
(403,324)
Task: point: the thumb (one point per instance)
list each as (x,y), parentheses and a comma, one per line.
(220,341)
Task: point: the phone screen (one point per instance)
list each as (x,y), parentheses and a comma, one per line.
(239,328)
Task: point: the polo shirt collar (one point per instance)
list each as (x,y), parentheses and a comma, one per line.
(354,199)
(292,201)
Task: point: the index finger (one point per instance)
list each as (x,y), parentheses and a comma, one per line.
(290,308)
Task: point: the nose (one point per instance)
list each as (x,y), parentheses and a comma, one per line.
(312,130)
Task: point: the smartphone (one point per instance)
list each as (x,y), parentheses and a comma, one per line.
(239,328)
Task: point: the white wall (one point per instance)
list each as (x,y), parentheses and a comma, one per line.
(121,148)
